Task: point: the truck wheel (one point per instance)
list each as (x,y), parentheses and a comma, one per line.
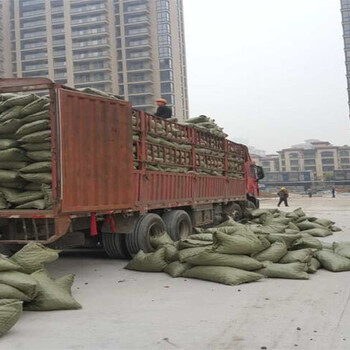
(4,250)
(178,224)
(114,245)
(146,226)
(251,205)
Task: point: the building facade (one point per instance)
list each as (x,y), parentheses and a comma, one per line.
(319,157)
(132,48)
(270,162)
(345,11)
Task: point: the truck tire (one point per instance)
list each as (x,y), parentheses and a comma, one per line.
(237,211)
(114,245)
(178,224)
(147,225)
(251,205)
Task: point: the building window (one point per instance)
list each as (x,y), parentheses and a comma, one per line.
(345,160)
(344,153)
(163,16)
(163,28)
(167,87)
(293,155)
(164,52)
(294,162)
(170,98)
(327,154)
(164,40)
(166,75)
(165,64)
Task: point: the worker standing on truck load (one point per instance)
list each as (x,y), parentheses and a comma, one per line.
(163,111)
(283,194)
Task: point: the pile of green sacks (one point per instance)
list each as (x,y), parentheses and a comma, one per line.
(267,243)
(25,284)
(25,152)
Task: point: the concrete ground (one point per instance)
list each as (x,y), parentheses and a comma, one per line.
(130,310)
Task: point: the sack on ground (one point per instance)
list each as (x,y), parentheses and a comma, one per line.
(287,238)
(176,268)
(208,258)
(294,270)
(332,261)
(21,281)
(53,294)
(301,255)
(273,253)
(307,242)
(318,232)
(10,312)
(148,262)
(160,240)
(33,256)
(239,243)
(313,265)
(222,274)
(342,248)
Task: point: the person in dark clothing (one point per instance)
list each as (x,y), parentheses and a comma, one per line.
(163,111)
(309,192)
(283,194)
(333,192)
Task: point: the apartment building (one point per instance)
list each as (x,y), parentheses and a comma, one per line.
(132,48)
(345,11)
(319,157)
(270,162)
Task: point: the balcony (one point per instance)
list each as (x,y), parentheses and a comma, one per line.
(88,20)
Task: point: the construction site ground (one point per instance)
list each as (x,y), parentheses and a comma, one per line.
(129,310)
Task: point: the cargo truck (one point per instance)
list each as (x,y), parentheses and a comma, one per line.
(120,175)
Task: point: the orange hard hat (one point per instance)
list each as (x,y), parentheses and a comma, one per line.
(162,100)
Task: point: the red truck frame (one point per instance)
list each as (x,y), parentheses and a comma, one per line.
(96,188)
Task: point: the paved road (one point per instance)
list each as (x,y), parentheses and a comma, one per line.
(130,310)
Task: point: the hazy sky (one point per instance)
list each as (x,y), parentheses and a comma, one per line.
(271,72)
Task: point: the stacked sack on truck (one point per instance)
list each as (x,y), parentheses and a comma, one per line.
(209,159)
(25,152)
(268,243)
(25,284)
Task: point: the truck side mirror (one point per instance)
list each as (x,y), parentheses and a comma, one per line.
(260,172)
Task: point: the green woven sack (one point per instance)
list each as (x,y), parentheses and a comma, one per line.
(38,178)
(35,106)
(192,243)
(336,229)
(287,238)
(342,248)
(10,312)
(184,254)
(203,237)
(8,176)
(222,274)
(33,187)
(149,262)
(13,165)
(307,242)
(8,265)
(242,262)
(18,185)
(40,156)
(3,202)
(11,113)
(318,232)
(8,143)
(273,253)
(9,193)
(47,192)
(45,146)
(36,137)
(301,255)
(332,261)
(9,292)
(36,116)
(33,256)
(324,222)
(160,240)
(10,126)
(313,265)
(307,225)
(171,252)
(25,197)
(21,281)
(294,270)
(39,204)
(53,294)
(12,155)
(239,243)
(32,127)
(19,100)
(176,268)
(40,167)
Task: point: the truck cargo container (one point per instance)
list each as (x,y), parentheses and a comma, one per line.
(113,186)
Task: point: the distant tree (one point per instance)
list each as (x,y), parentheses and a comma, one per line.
(328,176)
